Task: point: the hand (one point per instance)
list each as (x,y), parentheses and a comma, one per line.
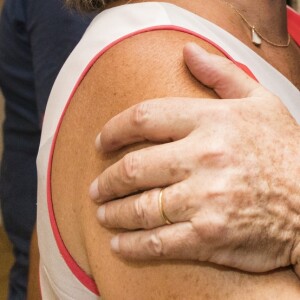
(230,172)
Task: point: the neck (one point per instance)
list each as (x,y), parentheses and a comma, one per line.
(268,16)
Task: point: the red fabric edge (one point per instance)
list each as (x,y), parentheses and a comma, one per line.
(294,24)
(87,281)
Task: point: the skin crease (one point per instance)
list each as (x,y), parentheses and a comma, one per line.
(76,163)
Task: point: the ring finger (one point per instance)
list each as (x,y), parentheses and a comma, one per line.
(147,210)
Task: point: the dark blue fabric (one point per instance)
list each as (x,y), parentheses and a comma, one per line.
(36,36)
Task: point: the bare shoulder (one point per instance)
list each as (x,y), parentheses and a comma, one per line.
(142,67)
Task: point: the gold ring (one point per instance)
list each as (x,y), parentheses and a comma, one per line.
(161,208)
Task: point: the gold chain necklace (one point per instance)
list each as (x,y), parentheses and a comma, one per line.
(256,36)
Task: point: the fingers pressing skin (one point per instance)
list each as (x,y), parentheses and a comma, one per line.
(218,73)
(158,243)
(162,165)
(150,120)
(142,170)
(181,242)
(143,210)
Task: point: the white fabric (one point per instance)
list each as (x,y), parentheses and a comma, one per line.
(57,281)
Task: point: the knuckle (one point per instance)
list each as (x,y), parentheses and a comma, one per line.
(223,158)
(219,147)
(155,245)
(218,154)
(177,165)
(220,190)
(183,196)
(212,231)
(141,113)
(129,167)
(140,209)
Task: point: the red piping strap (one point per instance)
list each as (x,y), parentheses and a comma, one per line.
(87,281)
(294,24)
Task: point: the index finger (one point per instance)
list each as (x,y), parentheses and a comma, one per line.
(151,120)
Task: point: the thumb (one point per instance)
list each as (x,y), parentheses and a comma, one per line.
(219,73)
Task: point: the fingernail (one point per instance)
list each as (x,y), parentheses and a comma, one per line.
(98,142)
(115,244)
(94,191)
(101,214)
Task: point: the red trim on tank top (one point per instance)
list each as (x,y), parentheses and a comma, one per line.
(80,274)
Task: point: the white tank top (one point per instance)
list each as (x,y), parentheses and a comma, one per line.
(60,276)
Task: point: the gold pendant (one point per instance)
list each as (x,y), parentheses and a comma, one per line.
(256,40)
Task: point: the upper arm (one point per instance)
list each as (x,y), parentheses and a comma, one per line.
(145,66)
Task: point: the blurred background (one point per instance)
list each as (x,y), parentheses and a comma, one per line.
(6,258)
(295,4)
